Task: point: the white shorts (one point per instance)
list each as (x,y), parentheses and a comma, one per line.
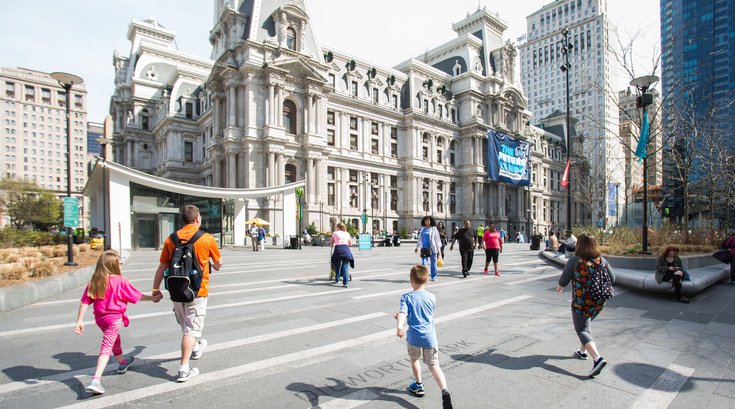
(190,315)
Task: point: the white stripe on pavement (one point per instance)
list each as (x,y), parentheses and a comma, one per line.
(353,400)
(128,396)
(159,314)
(27,383)
(664,389)
(528,280)
(408,289)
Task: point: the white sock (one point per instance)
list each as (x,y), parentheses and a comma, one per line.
(183,368)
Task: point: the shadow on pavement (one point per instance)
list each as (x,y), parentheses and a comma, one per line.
(314,394)
(518,363)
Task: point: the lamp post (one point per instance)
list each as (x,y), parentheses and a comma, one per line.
(67,80)
(103,143)
(642,84)
(566,48)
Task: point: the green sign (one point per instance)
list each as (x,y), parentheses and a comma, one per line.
(71,212)
(299,191)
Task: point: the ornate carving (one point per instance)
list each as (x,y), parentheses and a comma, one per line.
(509,54)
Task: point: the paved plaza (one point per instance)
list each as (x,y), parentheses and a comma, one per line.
(281,336)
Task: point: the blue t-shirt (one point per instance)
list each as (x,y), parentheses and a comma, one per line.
(419,309)
(426,238)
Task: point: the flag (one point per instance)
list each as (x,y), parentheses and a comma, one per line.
(565,178)
(640,150)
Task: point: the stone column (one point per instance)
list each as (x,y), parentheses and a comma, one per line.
(242,106)
(317,114)
(242,174)
(232,109)
(231,164)
(128,153)
(270,105)
(216,176)
(280,170)
(270,180)
(311,177)
(277,109)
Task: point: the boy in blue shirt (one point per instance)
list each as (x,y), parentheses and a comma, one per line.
(417,308)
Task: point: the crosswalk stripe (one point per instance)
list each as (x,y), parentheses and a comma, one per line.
(279,361)
(664,389)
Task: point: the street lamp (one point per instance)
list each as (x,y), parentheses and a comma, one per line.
(642,84)
(67,80)
(566,48)
(103,143)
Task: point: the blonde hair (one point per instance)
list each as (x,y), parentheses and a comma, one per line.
(587,246)
(419,274)
(108,264)
(341,226)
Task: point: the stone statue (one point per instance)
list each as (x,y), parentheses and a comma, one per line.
(478,63)
(509,60)
(282,29)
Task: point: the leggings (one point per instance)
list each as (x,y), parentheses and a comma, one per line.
(582,326)
(110,338)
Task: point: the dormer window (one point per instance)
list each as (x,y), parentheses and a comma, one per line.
(291,38)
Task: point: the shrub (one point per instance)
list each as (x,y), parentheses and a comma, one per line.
(44,268)
(59,251)
(83,248)
(47,251)
(404,233)
(11,237)
(12,272)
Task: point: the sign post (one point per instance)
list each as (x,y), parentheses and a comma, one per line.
(71,212)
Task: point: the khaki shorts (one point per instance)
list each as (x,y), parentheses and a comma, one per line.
(431,355)
(190,316)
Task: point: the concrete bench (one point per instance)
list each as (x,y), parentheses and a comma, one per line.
(639,273)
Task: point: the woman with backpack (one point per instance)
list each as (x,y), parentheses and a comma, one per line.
(429,244)
(588,272)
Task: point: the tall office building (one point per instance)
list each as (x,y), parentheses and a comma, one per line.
(33,118)
(698,43)
(592,100)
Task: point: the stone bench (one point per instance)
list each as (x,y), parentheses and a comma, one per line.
(639,273)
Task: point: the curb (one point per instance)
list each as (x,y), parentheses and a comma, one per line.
(20,295)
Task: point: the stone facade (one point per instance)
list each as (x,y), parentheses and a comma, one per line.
(275,106)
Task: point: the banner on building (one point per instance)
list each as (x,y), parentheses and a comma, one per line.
(612,200)
(508,159)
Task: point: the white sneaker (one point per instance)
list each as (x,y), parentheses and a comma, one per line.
(196,354)
(185,376)
(95,387)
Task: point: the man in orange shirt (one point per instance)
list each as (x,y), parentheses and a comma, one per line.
(191,315)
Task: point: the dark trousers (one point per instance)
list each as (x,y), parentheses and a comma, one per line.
(564,247)
(732,269)
(676,282)
(467,256)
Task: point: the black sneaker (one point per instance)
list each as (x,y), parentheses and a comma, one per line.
(597,367)
(464,274)
(682,300)
(580,355)
(446,400)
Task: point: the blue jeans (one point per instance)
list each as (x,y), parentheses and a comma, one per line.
(344,271)
(431,259)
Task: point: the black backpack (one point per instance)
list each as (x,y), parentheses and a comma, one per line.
(184,276)
(600,285)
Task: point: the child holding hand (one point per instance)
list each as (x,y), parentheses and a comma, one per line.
(109,293)
(417,309)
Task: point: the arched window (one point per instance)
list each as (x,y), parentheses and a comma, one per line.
(290,173)
(289,116)
(291,38)
(145,119)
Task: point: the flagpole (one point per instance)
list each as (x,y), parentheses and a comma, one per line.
(567,48)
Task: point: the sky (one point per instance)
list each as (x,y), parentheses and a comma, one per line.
(79,36)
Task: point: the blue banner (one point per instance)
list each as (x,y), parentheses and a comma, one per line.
(612,200)
(508,159)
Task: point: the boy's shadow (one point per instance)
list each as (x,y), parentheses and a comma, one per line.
(518,363)
(312,393)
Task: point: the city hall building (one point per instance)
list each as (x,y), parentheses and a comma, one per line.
(273,106)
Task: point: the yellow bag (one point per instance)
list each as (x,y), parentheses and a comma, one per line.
(439,262)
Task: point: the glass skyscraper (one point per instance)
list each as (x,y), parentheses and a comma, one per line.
(698,84)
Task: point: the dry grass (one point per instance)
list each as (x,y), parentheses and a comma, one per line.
(20,265)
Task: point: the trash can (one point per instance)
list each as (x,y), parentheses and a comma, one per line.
(396,240)
(294,242)
(536,242)
(388,242)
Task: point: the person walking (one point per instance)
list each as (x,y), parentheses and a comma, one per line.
(342,258)
(417,309)
(493,247)
(442,236)
(480,233)
(261,238)
(254,236)
(110,293)
(190,315)
(585,307)
(669,268)
(430,244)
(466,238)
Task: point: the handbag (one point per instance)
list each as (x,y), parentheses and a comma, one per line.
(425,252)
(439,262)
(723,255)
